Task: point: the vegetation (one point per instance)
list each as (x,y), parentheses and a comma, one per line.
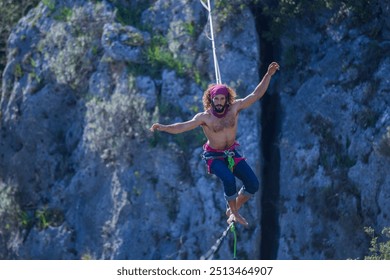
(380,245)
(72,44)
(14,219)
(227,10)
(283,11)
(129,13)
(113,124)
(50,4)
(11,12)
(159,56)
(65,14)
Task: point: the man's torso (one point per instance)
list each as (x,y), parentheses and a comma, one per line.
(221,132)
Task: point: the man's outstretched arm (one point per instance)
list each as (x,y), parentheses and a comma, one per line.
(260,89)
(179,127)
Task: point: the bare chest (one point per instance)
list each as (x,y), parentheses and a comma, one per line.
(228,122)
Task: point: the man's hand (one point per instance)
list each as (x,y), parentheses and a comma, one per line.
(155,126)
(272,68)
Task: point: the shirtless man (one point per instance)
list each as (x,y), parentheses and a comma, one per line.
(219,123)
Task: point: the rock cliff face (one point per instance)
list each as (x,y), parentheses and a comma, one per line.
(333,143)
(82,177)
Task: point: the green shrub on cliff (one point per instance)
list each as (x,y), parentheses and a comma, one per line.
(11,12)
(379,250)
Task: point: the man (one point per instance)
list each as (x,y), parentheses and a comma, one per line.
(219,123)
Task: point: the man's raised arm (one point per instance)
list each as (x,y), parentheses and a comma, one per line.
(260,89)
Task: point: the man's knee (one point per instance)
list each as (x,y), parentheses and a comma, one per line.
(251,186)
(229,184)
(255,185)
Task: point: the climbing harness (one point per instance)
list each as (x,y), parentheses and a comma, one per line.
(229,155)
(214,249)
(211,38)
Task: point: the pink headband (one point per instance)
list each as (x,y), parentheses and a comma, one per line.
(218,89)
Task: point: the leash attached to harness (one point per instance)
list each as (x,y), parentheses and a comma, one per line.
(214,249)
(233,230)
(229,155)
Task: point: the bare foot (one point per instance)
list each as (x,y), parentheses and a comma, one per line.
(228,212)
(237,218)
(240,200)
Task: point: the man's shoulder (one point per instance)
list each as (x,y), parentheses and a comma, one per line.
(204,117)
(236,102)
(204,114)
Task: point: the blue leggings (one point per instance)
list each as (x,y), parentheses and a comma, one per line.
(242,171)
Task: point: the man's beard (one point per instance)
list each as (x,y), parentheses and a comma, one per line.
(219,108)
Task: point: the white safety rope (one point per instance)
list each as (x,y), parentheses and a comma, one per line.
(216,66)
